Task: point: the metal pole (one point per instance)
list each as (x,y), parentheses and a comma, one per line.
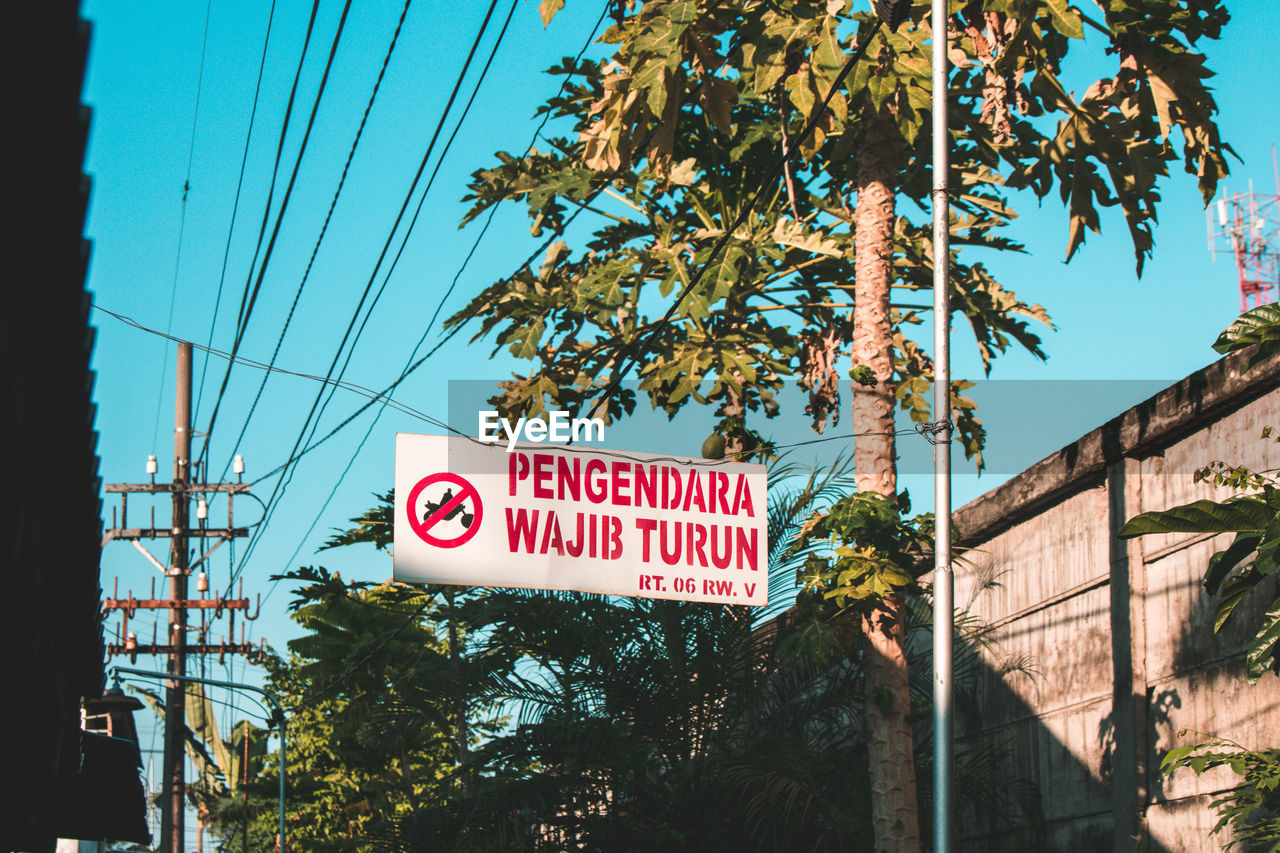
(173,826)
(280,726)
(943,585)
(244,770)
(276,708)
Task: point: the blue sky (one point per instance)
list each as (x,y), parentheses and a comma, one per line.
(1118,338)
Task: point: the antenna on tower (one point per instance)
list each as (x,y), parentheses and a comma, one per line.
(1247,225)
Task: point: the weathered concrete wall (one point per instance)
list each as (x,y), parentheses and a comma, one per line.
(1117,634)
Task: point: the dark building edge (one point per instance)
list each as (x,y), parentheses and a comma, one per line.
(51,515)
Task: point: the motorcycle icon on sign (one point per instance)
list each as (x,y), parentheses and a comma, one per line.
(460,509)
(424,516)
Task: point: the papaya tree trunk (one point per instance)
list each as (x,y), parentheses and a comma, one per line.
(893,781)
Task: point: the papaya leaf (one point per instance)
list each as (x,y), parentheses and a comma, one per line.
(548,8)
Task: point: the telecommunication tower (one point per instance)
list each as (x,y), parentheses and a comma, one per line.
(1247,226)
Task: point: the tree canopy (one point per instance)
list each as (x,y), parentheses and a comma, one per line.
(670,140)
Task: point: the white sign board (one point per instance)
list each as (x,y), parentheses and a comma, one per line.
(544,517)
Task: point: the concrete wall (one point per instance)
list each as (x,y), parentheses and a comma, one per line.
(1118,634)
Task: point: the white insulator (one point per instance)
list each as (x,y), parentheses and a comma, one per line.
(202,509)
(151,464)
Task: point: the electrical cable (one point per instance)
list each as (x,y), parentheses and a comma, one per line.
(350,462)
(235,207)
(283,482)
(414,365)
(333,203)
(787,154)
(246,305)
(266,712)
(182,220)
(413,221)
(922,429)
(430,323)
(248,362)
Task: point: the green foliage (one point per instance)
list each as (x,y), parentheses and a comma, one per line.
(633,723)
(1244,567)
(669,142)
(1260,327)
(375,526)
(874,550)
(376,728)
(1252,808)
(640,722)
(1234,574)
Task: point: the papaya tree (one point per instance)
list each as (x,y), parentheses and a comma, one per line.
(723,278)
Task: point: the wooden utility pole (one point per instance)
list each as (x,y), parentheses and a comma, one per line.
(171,833)
(176,648)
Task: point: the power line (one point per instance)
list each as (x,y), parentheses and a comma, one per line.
(182,219)
(411,368)
(418,210)
(235,206)
(283,482)
(410,365)
(807,130)
(306,275)
(927,430)
(248,362)
(431,322)
(404,241)
(242,319)
(384,394)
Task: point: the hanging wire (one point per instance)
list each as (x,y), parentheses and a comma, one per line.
(928,430)
(235,209)
(182,222)
(324,229)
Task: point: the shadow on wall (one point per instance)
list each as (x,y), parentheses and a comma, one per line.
(1065,760)
(1089,733)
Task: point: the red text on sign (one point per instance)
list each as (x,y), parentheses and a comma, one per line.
(627,483)
(539,532)
(705,545)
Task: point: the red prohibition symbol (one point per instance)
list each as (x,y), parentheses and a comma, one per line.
(449,507)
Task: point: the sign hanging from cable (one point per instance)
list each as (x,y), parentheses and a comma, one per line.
(541,517)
